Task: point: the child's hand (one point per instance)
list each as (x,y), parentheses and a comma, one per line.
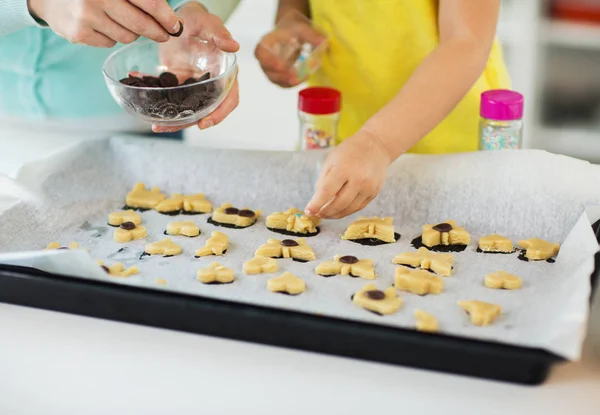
(104,23)
(351,177)
(272,52)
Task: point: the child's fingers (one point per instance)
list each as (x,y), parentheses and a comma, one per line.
(358,204)
(328,186)
(340,202)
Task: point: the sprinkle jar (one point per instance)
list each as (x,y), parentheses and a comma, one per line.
(319,113)
(501,123)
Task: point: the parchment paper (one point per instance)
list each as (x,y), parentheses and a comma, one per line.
(520,194)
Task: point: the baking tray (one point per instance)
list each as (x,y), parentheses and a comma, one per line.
(30,287)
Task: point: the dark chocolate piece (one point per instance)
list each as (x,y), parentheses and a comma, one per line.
(375,294)
(190,81)
(171,213)
(231,211)
(489,252)
(165,233)
(105,268)
(62,247)
(302,261)
(246,213)
(135,208)
(151,81)
(196,256)
(179,32)
(289,243)
(348,259)
(227,225)
(144,254)
(288,233)
(418,242)
(327,276)
(442,227)
(522,257)
(168,80)
(373,241)
(128,226)
(286,293)
(204,77)
(133,81)
(218,283)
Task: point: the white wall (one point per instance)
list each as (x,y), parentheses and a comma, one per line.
(266,117)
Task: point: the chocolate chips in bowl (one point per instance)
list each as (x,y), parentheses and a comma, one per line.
(160,97)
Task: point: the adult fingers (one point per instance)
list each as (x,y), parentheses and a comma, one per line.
(286,79)
(165,129)
(162,13)
(358,204)
(227,106)
(113,30)
(328,185)
(91,37)
(307,34)
(216,30)
(136,21)
(341,201)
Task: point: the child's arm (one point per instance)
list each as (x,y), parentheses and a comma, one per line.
(286,6)
(467,30)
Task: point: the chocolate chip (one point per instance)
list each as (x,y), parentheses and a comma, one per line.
(151,81)
(128,226)
(442,227)
(62,247)
(231,211)
(105,268)
(192,103)
(289,242)
(246,213)
(179,32)
(375,294)
(168,79)
(189,81)
(348,259)
(133,81)
(204,77)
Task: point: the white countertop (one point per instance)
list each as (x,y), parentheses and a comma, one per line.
(54,363)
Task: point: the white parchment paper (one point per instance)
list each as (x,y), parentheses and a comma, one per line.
(520,194)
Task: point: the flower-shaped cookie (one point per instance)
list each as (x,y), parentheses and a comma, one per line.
(260,265)
(185,228)
(117,218)
(142,198)
(166,247)
(217,244)
(371,231)
(495,243)
(293,222)
(128,231)
(481,313)
(196,204)
(55,245)
(377,301)
(118,270)
(215,273)
(287,283)
(426,322)
(418,281)
(501,279)
(446,234)
(347,265)
(423,258)
(231,217)
(538,249)
(288,248)
(170,206)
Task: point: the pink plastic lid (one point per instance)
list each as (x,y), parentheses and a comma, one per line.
(501,105)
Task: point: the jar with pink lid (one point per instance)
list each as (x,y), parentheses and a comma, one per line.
(501,122)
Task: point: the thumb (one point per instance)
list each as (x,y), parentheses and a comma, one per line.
(224,41)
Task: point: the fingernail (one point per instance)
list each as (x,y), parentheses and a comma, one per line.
(307,212)
(177,29)
(206,124)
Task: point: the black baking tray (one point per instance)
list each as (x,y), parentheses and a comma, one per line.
(491,360)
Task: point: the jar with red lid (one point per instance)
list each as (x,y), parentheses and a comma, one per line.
(319,113)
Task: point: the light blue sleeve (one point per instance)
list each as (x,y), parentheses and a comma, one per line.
(221,8)
(14,15)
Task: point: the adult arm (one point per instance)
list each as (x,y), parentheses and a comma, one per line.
(14,15)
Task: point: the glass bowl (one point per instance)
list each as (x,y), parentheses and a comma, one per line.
(140,78)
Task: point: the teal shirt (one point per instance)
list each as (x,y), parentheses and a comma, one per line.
(44,76)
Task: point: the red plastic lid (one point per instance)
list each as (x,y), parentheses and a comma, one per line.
(319,100)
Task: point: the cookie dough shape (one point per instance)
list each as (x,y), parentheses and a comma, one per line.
(538,249)
(293,222)
(298,250)
(186,228)
(287,283)
(418,281)
(117,218)
(142,198)
(446,234)
(426,322)
(231,217)
(215,273)
(129,231)
(481,313)
(347,265)
(377,301)
(197,203)
(495,244)
(56,245)
(170,206)
(217,244)
(371,231)
(118,270)
(166,247)
(439,263)
(260,265)
(503,280)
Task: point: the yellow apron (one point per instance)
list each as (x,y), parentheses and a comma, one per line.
(375,45)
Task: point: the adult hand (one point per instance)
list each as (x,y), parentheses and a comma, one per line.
(199,23)
(103,23)
(351,177)
(273,52)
